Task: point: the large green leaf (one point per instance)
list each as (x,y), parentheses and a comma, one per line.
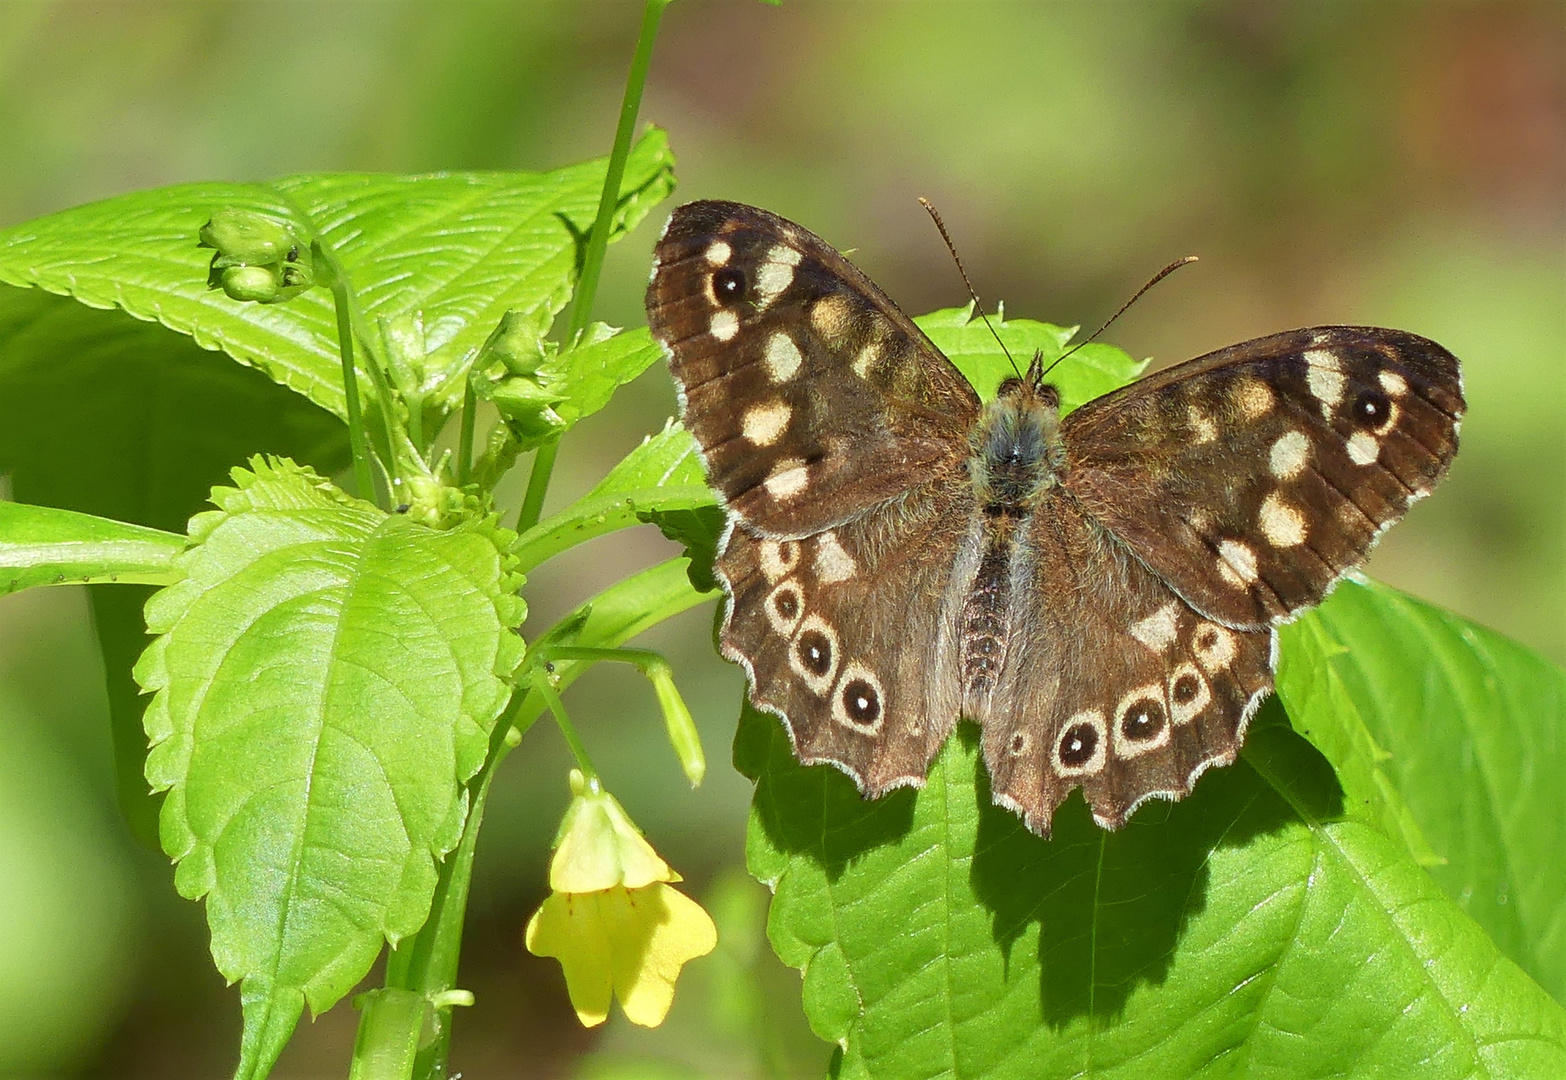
(1451,737)
(461,248)
(1243,932)
(40,545)
(326,680)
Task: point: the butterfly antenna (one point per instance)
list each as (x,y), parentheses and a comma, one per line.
(1165,272)
(935,215)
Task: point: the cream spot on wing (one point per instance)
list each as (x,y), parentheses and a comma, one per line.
(866,360)
(1392,383)
(1253,398)
(1215,646)
(833,563)
(1188,693)
(1237,563)
(783,359)
(724,325)
(788,478)
(1157,631)
(1289,455)
(1324,377)
(1363,448)
(1202,427)
(1283,525)
(778,558)
(858,701)
(718,252)
(763,424)
(775,275)
(1082,746)
(1146,702)
(831,316)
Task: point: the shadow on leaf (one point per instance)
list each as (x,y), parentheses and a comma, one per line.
(1110,906)
(814,811)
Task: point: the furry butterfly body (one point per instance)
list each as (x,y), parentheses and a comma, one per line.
(1099,592)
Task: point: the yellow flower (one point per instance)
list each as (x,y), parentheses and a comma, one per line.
(613,921)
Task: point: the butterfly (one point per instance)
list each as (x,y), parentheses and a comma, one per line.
(1099,592)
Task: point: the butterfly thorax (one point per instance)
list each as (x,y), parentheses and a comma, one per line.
(1017,461)
(1018,454)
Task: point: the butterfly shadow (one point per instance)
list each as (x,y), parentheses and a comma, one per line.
(1110,908)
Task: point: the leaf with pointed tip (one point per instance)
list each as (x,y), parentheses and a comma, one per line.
(661,475)
(326,679)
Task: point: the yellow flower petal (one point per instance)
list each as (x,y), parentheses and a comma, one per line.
(660,929)
(568,928)
(631,941)
(600,847)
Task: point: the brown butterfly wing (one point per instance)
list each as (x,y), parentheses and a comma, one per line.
(1111,681)
(1251,479)
(811,396)
(849,634)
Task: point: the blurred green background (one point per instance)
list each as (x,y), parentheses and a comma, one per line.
(1400,164)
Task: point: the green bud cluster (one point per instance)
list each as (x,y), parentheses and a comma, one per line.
(258,259)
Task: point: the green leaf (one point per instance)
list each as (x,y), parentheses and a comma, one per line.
(1091,370)
(326,680)
(661,476)
(108,415)
(40,545)
(1448,736)
(462,248)
(1241,932)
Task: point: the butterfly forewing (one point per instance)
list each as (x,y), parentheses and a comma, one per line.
(811,396)
(1251,479)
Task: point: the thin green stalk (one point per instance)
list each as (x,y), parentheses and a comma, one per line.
(563,722)
(598,239)
(644,660)
(537,487)
(361,455)
(465,442)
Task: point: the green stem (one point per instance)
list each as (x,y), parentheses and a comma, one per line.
(465,442)
(644,660)
(537,486)
(361,455)
(563,722)
(598,239)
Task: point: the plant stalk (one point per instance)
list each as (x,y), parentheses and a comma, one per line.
(598,240)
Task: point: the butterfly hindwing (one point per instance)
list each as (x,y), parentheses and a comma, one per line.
(848,634)
(1251,479)
(811,396)
(1112,682)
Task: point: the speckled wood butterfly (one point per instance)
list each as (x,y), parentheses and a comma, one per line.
(1098,592)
